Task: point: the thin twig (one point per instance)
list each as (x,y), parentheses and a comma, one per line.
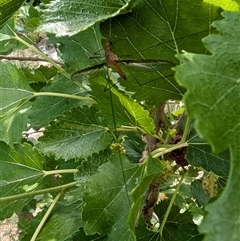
(27,59)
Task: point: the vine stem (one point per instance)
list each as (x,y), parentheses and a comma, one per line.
(161,151)
(46,173)
(50,60)
(30,194)
(36,94)
(44,56)
(44,219)
(186,130)
(171,203)
(9,57)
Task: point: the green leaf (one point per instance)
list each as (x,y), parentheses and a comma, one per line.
(77,51)
(14,88)
(126,111)
(189,232)
(52,105)
(170,231)
(75,134)
(140,116)
(8,8)
(175,218)
(150,169)
(20,173)
(109,105)
(198,193)
(134,146)
(199,154)
(108,191)
(221,78)
(170,35)
(90,165)
(81,235)
(70,17)
(21,154)
(41,74)
(64,222)
(213,95)
(12,125)
(8,42)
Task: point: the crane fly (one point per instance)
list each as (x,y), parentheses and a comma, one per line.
(112,61)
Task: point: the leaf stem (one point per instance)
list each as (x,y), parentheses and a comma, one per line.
(30,194)
(161,151)
(212,184)
(44,219)
(60,171)
(20,58)
(135,128)
(171,203)
(186,130)
(36,94)
(50,60)
(169,111)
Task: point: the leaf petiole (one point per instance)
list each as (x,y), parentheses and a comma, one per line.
(171,203)
(161,151)
(76,97)
(44,219)
(31,194)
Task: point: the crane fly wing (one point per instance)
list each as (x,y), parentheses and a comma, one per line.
(78,73)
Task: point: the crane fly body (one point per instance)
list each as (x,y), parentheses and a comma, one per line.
(112,60)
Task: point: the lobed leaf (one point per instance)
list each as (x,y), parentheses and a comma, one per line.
(213,87)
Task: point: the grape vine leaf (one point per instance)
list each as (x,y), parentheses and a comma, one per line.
(20,172)
(106,198)
(77,133)
(213,88)
(70,17)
